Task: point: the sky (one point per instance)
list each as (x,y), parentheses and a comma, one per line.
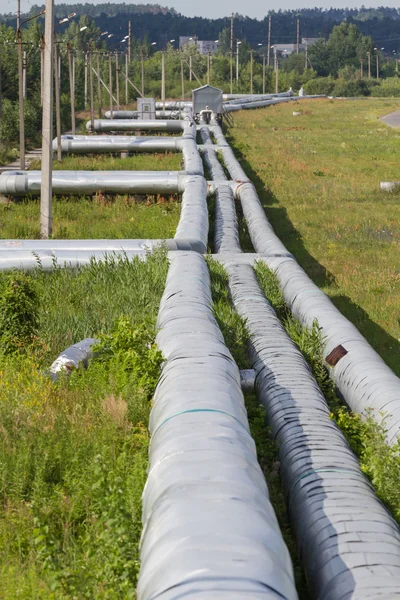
(220,8)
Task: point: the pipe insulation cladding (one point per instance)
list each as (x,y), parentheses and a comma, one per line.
(135,125)
(349,544)
(362,377)
(209,529)
(23,183)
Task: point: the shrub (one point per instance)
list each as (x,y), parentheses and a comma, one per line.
(18,313)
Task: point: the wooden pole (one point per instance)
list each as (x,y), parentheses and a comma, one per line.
(99,98)
(251,71)
(20,92)
(110,83)
(58,115)
(298,36)
(91,91)
(231,56)
(269,41)
(163,78)
(71,88)
(47,127)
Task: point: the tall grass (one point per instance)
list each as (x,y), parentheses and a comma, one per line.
(73,455)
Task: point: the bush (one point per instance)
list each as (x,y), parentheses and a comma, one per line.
(18,313)
(349,89)
(387,87)
(319,85)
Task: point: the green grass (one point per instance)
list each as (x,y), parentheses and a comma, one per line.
(318,178)
(167,161)
(73,455)
(116,217)
(380,462)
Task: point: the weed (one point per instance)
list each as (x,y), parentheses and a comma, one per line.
(18,312)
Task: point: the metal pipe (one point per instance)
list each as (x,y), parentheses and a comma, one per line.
(205,491)
(132,125)
(72,358)
(16,183)
(346,537)
(362,377)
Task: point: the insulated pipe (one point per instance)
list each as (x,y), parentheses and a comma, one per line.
(133,114)
(209,529)
(73,357)
(360,374)
(136,125)
(349,544)
(22,183)
(230,97)
(264,103)
(48,259)
(193,224)
(186,144)
(257,98)
(82,144)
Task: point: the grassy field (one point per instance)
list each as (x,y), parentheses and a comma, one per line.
(106,217)
(73,454)
(318,178)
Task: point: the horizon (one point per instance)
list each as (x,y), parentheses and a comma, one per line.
(223,8)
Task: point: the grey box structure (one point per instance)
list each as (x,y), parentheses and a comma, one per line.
(146,108)
(207,95)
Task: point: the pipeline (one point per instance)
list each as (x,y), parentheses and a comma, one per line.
(349,543)
(73,357)
(133,114)
(209,529)
(23,183)
(136,125)
(83,144)
(360,374)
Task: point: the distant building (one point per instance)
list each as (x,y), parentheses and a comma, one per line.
(203,46)
(310,41)
(286,49)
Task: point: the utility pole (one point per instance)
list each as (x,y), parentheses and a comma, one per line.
(276,71)
(99,99)
(20,92)
(91,90)
(163,77)
(57,86)
(126,78)
(269,40)
(142,64)
(237,62)
(251,71)
(231,55)
(110,83)
(71,88)
(182,80)
(397,65)
(190,66)
(47,127)
(129,41)
(86,83)
(208,67)
(369,64)
(377,64)
(306,60)
(117,77)
(264,73)
(24,74)
(361,68)
(41,68)
(298,36)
